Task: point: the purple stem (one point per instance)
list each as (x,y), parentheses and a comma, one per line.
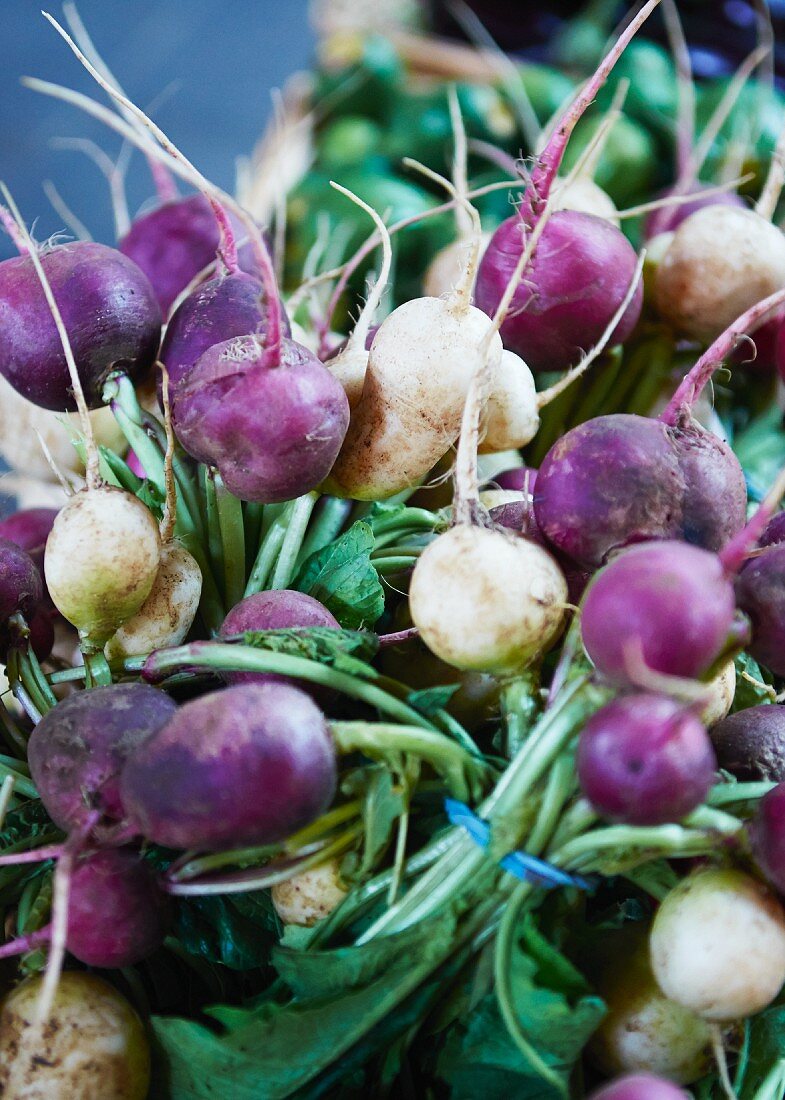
(398,637)
(165,185)
(227,248)
(22,944)
(694,382)
(37,855)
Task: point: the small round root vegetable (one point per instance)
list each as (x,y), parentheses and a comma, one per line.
(767,835)
(447,267)
(774,533)
(93,1045)
(168,613)
(640,1086)
(272,431)
(247,765)
(750,744)
(279,609)
(21,587)
(29,528)
(420,365)
(667,606)
(667,219)
(577,279)
(718,945)
(512,415)
(586,197)
(760,593)
(720,691)
(101,560)
(645,760)
(715,499)
(109,310)
(644,1032)
(608,482)
(221,309)
(116,913)
(519,478)
(722,260)
(310,896)
(78,748)
(486,600)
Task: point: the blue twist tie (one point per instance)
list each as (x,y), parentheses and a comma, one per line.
(523,866)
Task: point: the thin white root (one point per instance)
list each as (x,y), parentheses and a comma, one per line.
(772,188)
(364,321)
(64,483)
(6,794)
(61,207)
(546,396)
(718,1047)
(92,462)
(460,181)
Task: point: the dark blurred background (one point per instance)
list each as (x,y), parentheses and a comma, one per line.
(215,63)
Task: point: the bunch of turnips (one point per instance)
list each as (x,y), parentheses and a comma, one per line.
(394,616)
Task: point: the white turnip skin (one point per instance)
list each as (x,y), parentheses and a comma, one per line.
(101,560)
(512,414)
(94,1044)
(718,945)
(720,691)
(168,613)
(445,270)
(485,600)
(586,197)
(310,896)
(721,261)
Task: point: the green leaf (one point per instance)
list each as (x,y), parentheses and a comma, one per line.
(429,701)
(342,577)
(748,693)
(237,930)
(382,806)
(760,448)
(328,645)
(767,1044)
(274,1050)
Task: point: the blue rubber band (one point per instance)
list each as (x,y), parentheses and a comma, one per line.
(523,866)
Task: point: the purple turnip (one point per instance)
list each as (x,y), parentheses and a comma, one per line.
(750,744)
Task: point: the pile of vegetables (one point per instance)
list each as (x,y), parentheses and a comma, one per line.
(395,632)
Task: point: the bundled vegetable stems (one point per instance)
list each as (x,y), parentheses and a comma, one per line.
(432,771)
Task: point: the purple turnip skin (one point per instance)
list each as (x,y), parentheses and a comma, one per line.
(116,913)
(280,609)
(110,313)
(251,764)
(775,531)
(750,744)
(668,218)
(578,277)
(645,760)
(518,479)
(609,482)
(78,748)
(760,593)
(29,528)
(21,587)
(218,310)
(767,836)
(715,501)
(272,431)
(667,603)
(640,1086)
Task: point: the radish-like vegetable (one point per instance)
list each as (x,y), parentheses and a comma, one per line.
(247,765)
(643,1031)
(29,528)
(116,913)
(720,691)
(168,613)
(760,592)
(310,896)
(667,219)
(750,744)
(486,600)
(645,760)
(77,750)
(94,1043)
(101,560)
(109,311)
(21,589)
(520,478)
(767,834)
(512,415)
(665,605)
(718,945)
(272,428)
(640,1086)
(280,609)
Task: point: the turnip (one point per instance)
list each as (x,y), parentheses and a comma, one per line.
(767,835)
(645,760)
(642,1031)
(775,531)
(666,606)
(94,1044)
(29,528)
(581,267)
(310,896)
(280,609)
(718,945)
(247,765)
(640,1086)
(720,691)
(760,592)
(77,750)
(21,588)
(109,311)
(750,744)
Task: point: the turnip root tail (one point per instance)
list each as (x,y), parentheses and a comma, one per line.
(360,332)
(692,385)
(113,172)
(545,171)
(463,215)
(92,467)
(546,396)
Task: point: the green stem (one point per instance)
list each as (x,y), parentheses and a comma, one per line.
(387,566)
(230,525)
(253,517)
(296,527)
(11,731)
(29,659)
(32,705)
(410,518)
(97,671)
(327,525)
(215,548)
(22,784)
(269,549)
(727,793)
